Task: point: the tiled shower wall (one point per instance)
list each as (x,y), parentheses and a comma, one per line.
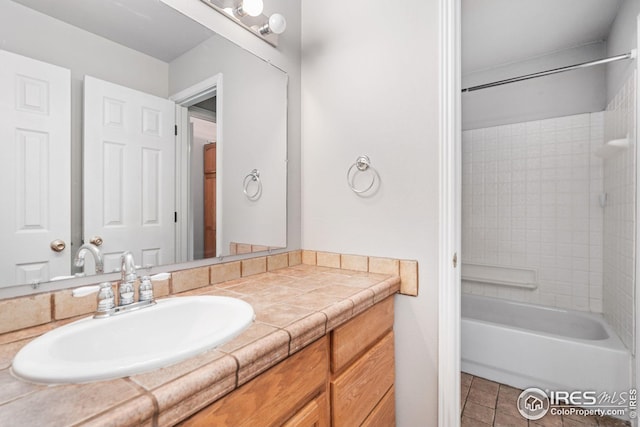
(619,215)
(530,200)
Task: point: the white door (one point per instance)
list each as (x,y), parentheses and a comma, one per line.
(35,174)
(128,173)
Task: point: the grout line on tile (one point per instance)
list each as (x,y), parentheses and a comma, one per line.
(52,307)
(148,393)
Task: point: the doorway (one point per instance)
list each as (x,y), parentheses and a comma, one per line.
(199,170)
(202,228)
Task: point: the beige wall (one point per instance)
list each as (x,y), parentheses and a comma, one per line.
(370,86)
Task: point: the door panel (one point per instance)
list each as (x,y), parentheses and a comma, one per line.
(35,141)
(129,179)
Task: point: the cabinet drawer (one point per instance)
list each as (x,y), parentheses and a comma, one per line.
(274,396)
(315,414)
(357,391)
(356,336)
(384,415)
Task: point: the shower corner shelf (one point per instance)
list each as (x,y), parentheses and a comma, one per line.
(611,148)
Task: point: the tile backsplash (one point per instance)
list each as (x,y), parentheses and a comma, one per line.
(40,309)
(406,269)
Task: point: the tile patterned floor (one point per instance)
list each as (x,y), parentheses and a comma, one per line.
(486,403)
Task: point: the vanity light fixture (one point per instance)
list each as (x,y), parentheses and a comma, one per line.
(276,25)
(249,15)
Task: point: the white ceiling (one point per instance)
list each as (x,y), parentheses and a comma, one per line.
(148,26)
(496,32)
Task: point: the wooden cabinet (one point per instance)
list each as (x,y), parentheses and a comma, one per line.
(209,200)
(282,394)
(345,378)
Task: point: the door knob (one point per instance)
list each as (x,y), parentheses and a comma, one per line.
(58,245)
(96,240)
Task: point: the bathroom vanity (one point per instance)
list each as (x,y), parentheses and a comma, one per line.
(343,379)
(320,352)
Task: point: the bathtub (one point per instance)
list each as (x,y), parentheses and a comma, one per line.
(524,345)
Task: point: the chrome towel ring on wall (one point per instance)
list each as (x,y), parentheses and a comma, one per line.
(362,164)
(253,176)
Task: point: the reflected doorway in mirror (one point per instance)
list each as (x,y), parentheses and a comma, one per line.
(198,110)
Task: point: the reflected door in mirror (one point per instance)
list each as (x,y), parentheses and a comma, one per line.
(35,146)
(209,200)
(129,178)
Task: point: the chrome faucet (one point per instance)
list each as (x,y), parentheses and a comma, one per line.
(126,292)
(128,268)
(78,261)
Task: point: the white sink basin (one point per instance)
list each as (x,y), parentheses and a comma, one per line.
(98,349)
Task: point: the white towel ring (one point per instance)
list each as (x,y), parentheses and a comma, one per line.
(362,164)
(253,176)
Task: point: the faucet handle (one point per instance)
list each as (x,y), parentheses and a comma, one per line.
(146,289)
(146,286)
(106,298)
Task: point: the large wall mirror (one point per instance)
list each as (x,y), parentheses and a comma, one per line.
(128,125)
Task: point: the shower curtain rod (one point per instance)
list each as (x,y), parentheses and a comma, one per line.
(554,71)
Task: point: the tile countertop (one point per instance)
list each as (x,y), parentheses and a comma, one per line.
(294,306)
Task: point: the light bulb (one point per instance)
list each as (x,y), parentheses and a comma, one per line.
(277,23)
(252,7)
